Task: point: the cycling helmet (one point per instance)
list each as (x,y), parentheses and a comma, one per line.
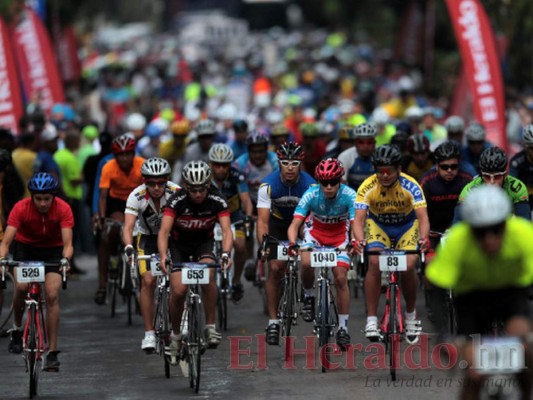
(414,113)
(290,151)
(454,123)
(380,116)
(135,121)
(42,182)
(123,144)
(205,127)
(387,154)
(309,129)
(475,132)
(196,173)
(155,166)
(240,125)
(5,159)
(493,159)
(153,130)
(180,128)
(447,150)
(485,205)
(417,143)
(528,134)
(220,153)
(280,130)
(346,132)
(329,169)
(365,131)
(257,138)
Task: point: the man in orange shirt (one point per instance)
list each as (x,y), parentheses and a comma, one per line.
(119,177)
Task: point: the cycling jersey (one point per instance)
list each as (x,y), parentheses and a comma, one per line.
(442,197)
(329,219)
(359,171)
(119,183)
(280,198)
(392,206)
(195,222)
(415,171)
(254,174)
(141,205)
(232,186)
(522,168)
(462,265)
(515,188)
(38,229)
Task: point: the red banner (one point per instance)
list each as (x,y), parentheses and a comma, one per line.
(67,52)
(38,68)
(10,99)
(409,46)
(481,65)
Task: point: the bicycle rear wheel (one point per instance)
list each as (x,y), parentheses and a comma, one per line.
(127,288)
(393,340)
(6,310)
(222,305)
(323,319)
(194,346)
(31,350)
(286,309)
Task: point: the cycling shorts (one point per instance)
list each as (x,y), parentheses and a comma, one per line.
(146,245)
(182,251)
(114,205)
(26,252)
(476,311)
(379,236)
(343,259)
(238,216)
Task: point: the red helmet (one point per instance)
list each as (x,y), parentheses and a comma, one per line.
(328,170)
(123,144)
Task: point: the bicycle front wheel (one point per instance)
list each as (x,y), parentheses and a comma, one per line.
(194,346)
(222,306)
(6,303)
(32,349)
(323,322)
(393,338)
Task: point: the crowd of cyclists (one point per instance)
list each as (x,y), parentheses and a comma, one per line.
(345,177)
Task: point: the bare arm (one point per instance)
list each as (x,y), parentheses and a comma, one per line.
(9,235)
(294,229)
(66,236)
(246,203)
(263,217)
(423,222)
(227,236)
(359,224)
(102,203)
(127,231)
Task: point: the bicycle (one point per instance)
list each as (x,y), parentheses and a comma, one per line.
(392,325)
(193,274)
(162,327)
(34,336)
(7,294)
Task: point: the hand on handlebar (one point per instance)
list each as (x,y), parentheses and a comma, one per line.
(225,261)
(292,249)
(65,264)
(358,246)
(129,250)
(424,244)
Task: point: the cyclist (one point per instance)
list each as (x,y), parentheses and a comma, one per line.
(493,166)
(233,186)
(278,197)
(392,206)
(419,160)
(144,207)
(191,214)
(120,176)
(343,142)
(475,144)
(358,165)
(329,209)
(279,134)
(173,148)
(442,186)
(238,144)
(521,165)
(455,128)
(312,144)
(40,228)
(488,263)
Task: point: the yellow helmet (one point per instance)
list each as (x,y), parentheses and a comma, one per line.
(180,128)
(346,132)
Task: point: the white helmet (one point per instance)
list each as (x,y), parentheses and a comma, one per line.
(475,132)
(135,122)
(220,153)
(380,116)
(155,166)
(196,173)
(414,112)
(454,123)
(528,134)
(485,205)
(365,131)
(205,127)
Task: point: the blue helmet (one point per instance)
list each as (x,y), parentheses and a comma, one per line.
(42,182)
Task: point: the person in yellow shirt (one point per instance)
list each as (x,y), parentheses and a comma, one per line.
(24,157)
(174,148)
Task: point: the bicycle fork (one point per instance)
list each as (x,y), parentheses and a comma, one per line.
(393,308)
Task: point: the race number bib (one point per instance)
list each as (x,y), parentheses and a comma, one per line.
(321,259)
(30,272)
(155,266)
(195,275)
(393,261)
(283,253)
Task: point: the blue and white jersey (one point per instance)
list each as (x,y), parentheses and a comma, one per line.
(280,198)
(329,219)
(359,171)
(254,175)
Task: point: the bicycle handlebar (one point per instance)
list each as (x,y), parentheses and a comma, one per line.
(13,263)
(379,252)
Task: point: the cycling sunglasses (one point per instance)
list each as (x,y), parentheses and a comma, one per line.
(497,229)
(492,176)
(332,182)
(365,142)
(197,189)
(290,163)
(153,182)
(386,170)
(449,167)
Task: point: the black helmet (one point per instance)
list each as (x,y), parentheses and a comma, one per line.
(388,154)
(240,125)
(493,159)
(290,151)
(446,150)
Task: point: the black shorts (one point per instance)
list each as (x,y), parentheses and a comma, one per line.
(114,205)
(26,252)
(278,228)
(477,311)
(182,251)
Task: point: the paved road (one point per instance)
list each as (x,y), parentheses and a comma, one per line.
(101,359)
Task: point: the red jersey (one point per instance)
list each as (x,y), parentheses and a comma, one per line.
(40,230)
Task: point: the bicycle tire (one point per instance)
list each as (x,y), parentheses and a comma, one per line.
(323,322)
(194,343)
(452,318)
(127,289)
(31,350)
(392,336)
(222,305)
(113,289)
(9,295)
